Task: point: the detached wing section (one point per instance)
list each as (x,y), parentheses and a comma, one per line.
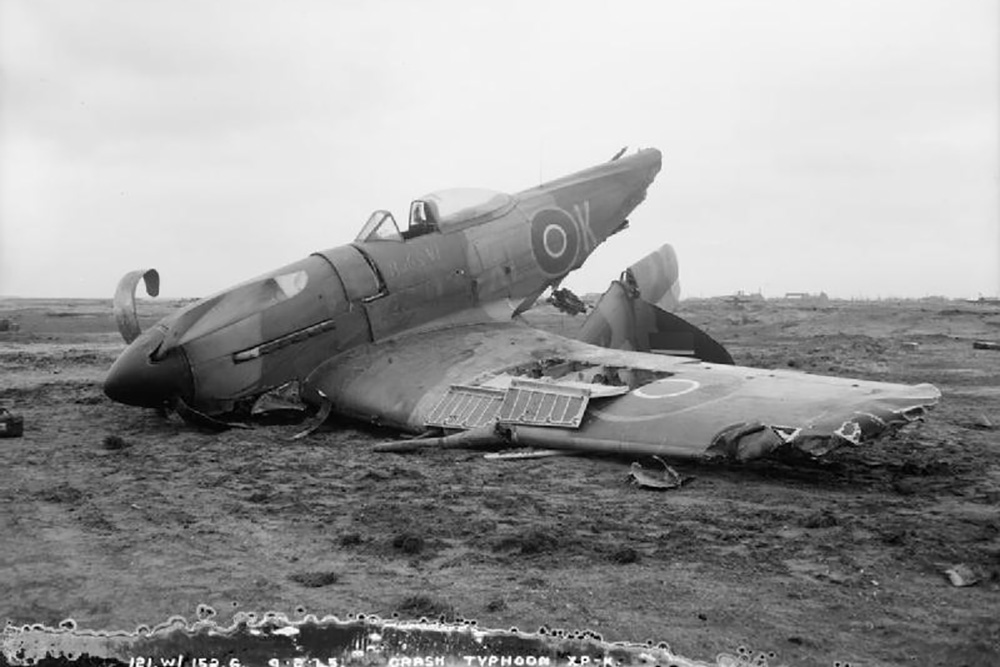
(525,386)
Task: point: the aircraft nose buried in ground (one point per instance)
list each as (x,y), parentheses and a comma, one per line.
(146,377)
(419,329)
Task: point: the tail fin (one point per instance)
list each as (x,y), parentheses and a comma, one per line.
(632,314)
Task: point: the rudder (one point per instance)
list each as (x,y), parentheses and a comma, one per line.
(632,315)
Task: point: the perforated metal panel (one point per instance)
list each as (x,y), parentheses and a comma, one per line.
(543,404)
(528,402)
(466,407)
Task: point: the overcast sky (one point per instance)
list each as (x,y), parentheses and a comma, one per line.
(850,147)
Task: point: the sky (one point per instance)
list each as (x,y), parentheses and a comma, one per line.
(848,146)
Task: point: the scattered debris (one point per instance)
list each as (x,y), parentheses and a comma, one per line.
(202,420)
(985,345)
(983,423)
(517,454)
(567,302)
(11,425)
(961,575)
(282,401)
(668,478)
(318,420)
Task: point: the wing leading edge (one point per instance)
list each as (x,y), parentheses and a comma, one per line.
(508,383)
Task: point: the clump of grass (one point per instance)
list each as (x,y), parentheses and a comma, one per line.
(496,604)
(115,442)
(315,579)
(62,493)
(624,556)
(425,606)
(408,543)
(350,540)
(529,542)
(821,519)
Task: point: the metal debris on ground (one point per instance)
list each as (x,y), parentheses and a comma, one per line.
(567,302)
(325,408)
(11,425)
(961,575)
(518,454)
(985,345)
(983,422)
(668,478)
(286,398)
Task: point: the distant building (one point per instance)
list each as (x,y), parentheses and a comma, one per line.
(742,297)
(806,299)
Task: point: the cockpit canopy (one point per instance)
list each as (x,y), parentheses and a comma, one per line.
(442,211)
(381,226)
(464,207)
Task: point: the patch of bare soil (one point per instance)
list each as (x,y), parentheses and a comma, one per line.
(117,517)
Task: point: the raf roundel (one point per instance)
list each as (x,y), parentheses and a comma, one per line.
(555,240)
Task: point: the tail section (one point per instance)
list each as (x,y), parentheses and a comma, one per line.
(632,314)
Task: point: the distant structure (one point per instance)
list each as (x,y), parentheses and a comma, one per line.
(740,298)
(806,299)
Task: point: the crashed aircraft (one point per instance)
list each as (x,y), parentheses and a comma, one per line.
(419,329)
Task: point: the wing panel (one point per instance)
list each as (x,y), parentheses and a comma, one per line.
(656,404)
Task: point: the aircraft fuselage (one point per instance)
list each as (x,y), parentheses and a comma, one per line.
(467,264)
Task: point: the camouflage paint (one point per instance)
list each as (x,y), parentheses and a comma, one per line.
(282,325)
(694,410)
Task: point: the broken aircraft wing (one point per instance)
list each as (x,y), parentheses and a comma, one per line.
(510,384)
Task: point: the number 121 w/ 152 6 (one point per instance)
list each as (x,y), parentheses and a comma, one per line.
(181,661)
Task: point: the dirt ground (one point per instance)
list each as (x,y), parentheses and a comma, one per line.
(840,561)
